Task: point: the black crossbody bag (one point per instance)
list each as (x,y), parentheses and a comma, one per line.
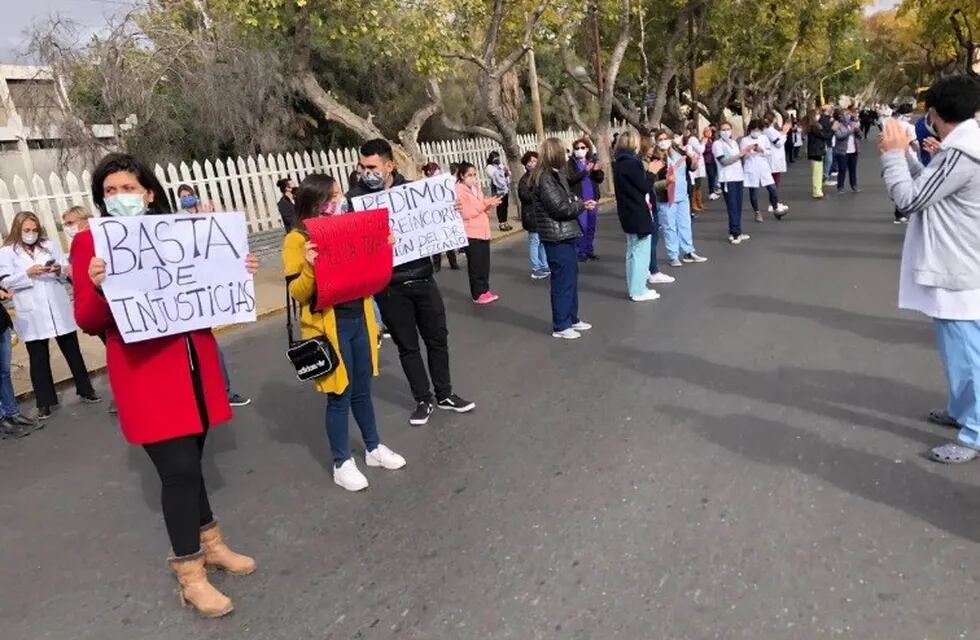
(313,358)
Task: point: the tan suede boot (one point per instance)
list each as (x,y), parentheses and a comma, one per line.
(698,203)
(195,590)
(217,554)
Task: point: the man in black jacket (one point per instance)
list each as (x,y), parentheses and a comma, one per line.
(411,304)
(535,250)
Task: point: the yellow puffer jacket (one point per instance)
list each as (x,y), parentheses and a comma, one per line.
(302,286)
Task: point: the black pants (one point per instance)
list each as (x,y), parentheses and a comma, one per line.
(478,266)
(41,377)
(502,208)
(847,166)
(185,500)
(410,310)
(453,261)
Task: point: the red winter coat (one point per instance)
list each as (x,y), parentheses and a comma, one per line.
(153,382)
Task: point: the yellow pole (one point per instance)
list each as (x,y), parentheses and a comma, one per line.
(854,65)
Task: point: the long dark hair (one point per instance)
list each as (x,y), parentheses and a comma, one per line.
(494,155)
(462,169)
(116,162)
(312,192)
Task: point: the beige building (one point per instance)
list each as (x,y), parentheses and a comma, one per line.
(30,100)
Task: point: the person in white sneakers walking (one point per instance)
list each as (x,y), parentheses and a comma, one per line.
(352,330)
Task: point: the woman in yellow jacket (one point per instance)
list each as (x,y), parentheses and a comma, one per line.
(352,330)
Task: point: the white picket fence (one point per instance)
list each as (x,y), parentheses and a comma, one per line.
(232,184)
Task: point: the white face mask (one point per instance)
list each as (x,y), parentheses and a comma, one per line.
(29,237)
(123,205)
(71,230)
(581,153)
(754,134)
(470,181)
(663,145)
(726,134)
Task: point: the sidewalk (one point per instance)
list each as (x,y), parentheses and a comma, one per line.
(268,292)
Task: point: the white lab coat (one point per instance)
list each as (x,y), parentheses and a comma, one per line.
(777,152)
(695,149)
(43,308)
(731,172)
(756,164)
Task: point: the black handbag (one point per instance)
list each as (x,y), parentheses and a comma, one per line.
(313,358)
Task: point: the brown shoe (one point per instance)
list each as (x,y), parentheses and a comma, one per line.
(697,204)
(217,554)
(195,590)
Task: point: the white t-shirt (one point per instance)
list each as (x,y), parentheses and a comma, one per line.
(731,172)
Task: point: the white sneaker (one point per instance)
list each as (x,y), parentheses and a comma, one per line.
(581,326)
(770,208)
(644,297)
(660,278)
(744,237)
(713,196)
(382,456)
(676,262)
(567,334)
(781,207)
(349,476)
(693,257)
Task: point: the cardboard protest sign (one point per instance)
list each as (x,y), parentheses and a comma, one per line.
(354,258)
(423,217)
(169,274)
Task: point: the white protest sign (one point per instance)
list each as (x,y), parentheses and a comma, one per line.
(422,215)
(168,274)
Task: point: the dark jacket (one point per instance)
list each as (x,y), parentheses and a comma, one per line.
(287,212)
(5,321)
(420,269)
(575,178)
(526,196)
(827,124)
(816,142)
(556,208)
(632,182)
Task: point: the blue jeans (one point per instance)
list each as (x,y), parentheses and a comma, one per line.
(377,314)
(675,222)
(355,353)
(637,264)
(654,239)
(8,401)
(733,202)
(535,252)
(712,170)
(754,197)
(847,166)
(828,162)
(959,349)
(563,261)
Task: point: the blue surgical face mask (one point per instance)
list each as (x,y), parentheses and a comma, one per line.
(188,202)
(123,205)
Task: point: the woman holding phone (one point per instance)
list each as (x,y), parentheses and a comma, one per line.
(33,270)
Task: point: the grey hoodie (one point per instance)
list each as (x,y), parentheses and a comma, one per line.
(943,205)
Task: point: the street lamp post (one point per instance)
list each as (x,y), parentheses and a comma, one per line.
(856,65)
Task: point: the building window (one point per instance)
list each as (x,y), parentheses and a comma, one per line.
(35,100)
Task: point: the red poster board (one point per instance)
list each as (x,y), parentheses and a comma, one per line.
(354,258)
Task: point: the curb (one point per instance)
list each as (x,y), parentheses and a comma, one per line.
(261,315)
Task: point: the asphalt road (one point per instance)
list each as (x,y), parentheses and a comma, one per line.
(741,459)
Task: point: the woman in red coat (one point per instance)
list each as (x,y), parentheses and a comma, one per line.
(173,432)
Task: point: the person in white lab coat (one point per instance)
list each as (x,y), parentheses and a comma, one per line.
(33,269)
(695,150)
(758,173)
(728,158)
(777,138)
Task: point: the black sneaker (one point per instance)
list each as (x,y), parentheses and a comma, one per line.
(421,414)
(21,420)
(91,399)
(236,400)
(43,413)
(11,430)
(454,403)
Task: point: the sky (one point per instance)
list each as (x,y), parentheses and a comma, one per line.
(19,15)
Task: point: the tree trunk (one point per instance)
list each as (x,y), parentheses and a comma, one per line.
(532,77)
